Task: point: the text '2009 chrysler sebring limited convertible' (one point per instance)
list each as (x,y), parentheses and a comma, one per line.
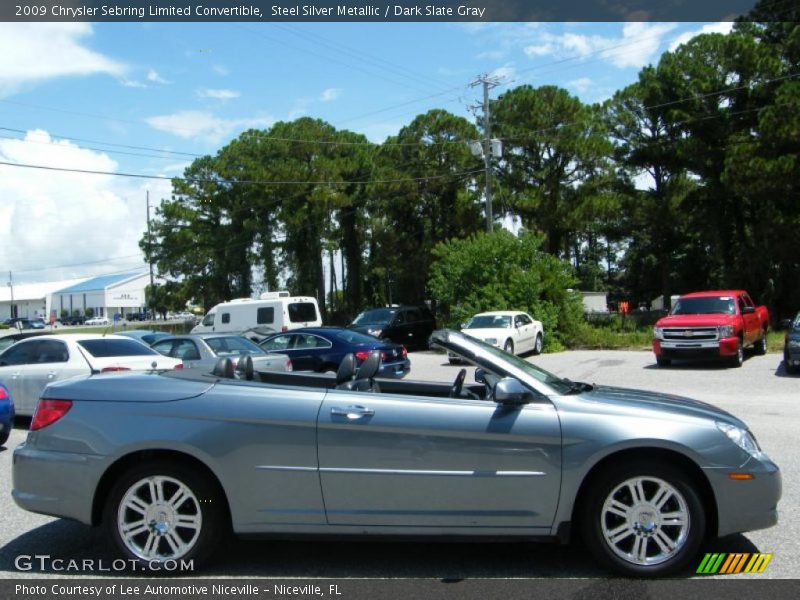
(167,462)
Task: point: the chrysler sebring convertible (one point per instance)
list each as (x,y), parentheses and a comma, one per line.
(168,462)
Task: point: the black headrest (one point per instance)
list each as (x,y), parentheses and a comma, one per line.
(223,368)
(370,367)
(244,366)
(347,369)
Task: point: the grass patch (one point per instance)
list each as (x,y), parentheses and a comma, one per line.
(611,337)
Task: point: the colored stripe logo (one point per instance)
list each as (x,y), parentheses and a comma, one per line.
(730,564)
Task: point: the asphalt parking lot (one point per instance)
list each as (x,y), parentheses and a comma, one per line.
(760,393)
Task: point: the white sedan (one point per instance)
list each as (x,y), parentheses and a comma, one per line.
(29,365)
(513,331)
(97,321)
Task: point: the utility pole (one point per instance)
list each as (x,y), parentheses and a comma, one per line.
(150,257)
(488,82)
(11,306)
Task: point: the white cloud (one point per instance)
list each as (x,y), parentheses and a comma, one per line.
(581,85)
(154,77)
(31,53)
(638,45)
(506,73)
(491,55)
(218,94)
(205,125)
(221,70)
(131,83)
(724,28)
(60,218)
(330,94)
(300,108)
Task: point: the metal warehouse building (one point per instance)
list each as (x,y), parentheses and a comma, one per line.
(105,295)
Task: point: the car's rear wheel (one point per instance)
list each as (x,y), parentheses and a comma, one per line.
(663,362)
(760,347)
(644,520)
(164,511)
(538,344)
(5,434)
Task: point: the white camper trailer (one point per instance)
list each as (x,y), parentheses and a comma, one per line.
(272,312)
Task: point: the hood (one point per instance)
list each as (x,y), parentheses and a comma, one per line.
(487,332)
(695,320)
(364,327)
(122,387)
(617,397)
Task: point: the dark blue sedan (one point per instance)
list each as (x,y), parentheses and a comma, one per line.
(6,414)
(322,349)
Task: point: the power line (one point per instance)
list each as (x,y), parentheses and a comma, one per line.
(222,181)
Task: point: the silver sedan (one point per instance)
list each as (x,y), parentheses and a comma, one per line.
(168,463)
(202,351)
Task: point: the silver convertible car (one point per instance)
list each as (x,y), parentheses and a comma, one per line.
(169,462)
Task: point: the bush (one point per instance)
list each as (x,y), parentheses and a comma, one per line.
(499,271)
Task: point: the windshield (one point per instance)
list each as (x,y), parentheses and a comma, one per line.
(559,385)
(378,315)
(354,337)
(489,322)
(718,305)
(109,347)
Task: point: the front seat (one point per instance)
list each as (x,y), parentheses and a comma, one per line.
(365,381)
(224,368)
(244,367)
(346,373)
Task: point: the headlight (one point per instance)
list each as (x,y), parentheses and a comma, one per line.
(725,331)
(794,343)
(492,341)
(741,437)
(658,333)
(375,332)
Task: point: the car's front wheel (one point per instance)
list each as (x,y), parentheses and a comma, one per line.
(164,511)
(509,347)
(644,520)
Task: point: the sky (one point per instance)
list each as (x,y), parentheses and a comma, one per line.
(148,98)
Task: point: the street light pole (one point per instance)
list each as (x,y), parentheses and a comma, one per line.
(12,312)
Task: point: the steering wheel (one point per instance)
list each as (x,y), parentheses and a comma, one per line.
(455,391)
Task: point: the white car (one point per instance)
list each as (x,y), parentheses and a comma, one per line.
(513,331)
(97,321)
(29,365)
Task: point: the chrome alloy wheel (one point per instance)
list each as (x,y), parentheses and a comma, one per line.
(159,518)
(645,521)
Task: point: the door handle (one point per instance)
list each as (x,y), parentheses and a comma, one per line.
(352,412)
(51,374)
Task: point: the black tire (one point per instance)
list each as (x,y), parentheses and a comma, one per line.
(737,360)
(538,344)
(204,501)
(760,347)
(663,362)
(5,435)
(647,529)
(509,347)
(789,368)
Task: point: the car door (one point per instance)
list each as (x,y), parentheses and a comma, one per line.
(41,362)
(12,363)
(415,461)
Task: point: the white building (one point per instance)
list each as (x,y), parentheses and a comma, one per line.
(105,295)
(31,299)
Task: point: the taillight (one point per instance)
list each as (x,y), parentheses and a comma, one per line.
(384,356)
(289,366)
(178,366)
(284,329)
(405,352)
(362,355)
(114,369)
(3,393)
(48,412)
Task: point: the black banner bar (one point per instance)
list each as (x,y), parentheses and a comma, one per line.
(392,11)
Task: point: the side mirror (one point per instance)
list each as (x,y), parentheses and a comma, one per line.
(785,324)
(510,392)
(480,375)
(748,310)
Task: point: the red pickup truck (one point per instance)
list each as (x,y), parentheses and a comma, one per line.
(717,324)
